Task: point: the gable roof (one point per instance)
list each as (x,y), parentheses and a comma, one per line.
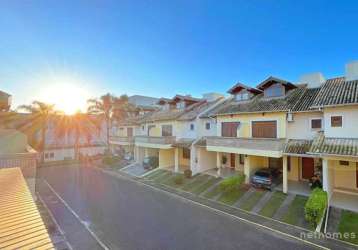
(270,80)
(186,98)
(259,104)
(239,86)
(197,109)
(337,91)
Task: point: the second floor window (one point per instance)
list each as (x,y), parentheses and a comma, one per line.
(264,129)
(149,128)
(242,96)
(336,121)
(229,129)
(275,90)
(192,127)
(167,130)
(316,123)
(207,126)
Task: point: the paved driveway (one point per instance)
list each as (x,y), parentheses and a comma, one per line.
(127,215)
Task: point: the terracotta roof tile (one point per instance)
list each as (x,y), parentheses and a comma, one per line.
(337,91)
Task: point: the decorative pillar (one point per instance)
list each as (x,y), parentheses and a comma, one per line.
(176,159)
(325,176)
(218,163)
(284,176)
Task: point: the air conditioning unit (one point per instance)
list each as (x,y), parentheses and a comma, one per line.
(290,117)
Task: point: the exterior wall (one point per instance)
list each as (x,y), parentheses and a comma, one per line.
(344,177)
(12,141)
(244,130)
(61,154)
(349,122)
(300,128)
(205,160)
(253,163)
(295,172)
(202,131)
(183,129)
(166,158)
(151,152)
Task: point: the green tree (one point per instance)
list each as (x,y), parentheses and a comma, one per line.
(41,112)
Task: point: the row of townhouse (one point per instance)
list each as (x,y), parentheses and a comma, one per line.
(304,129)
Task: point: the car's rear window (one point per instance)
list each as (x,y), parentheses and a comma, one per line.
(262,174)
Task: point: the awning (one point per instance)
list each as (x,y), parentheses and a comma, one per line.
(295,147)
(21,225)
(183,143)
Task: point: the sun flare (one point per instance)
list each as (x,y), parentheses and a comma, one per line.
(67,97)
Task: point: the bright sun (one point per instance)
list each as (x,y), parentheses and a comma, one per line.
(67,97)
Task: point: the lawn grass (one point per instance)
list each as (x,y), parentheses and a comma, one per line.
(249,204)
(197,180)
(162,177)
(170,181)
(349,224)
(204,186)
(273,204)
(154,174)
(212,193)
(230,197)
(296,210)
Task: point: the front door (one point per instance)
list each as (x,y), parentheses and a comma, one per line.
(307,168)
(232,160)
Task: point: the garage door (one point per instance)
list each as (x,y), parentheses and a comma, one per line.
(264,129)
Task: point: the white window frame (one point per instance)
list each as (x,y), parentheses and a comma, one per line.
(316,118)
(330,121)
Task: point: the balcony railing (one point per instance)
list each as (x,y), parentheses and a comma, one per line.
(121,139)
(246,143)
(165,140)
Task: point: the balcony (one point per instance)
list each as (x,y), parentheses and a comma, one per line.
(121,140)
(249,146)
(155,141)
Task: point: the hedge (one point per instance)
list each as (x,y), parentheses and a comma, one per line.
(315,206)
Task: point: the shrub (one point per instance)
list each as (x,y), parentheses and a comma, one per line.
(188,173)
(232,182)
(315,206)
(178,179)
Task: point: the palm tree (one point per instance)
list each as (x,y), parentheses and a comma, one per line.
(41,112)
(79,126)
(102,106)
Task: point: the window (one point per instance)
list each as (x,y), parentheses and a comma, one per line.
(191,126)
(186,153)
(344,163)
(242,159)
(229,129)
(336,121)
(46,155)
(52,155)
(207,126)
(180,105)
(274,90)
(242,96)
(316,123)
(143,128)
(264,129)
(167,130)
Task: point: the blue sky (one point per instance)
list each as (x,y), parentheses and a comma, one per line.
(161,48)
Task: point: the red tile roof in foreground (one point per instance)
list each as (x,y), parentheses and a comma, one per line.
(21,226)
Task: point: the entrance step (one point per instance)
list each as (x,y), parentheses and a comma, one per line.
(244,197)
(284,207)
(262,202)
(333,220)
